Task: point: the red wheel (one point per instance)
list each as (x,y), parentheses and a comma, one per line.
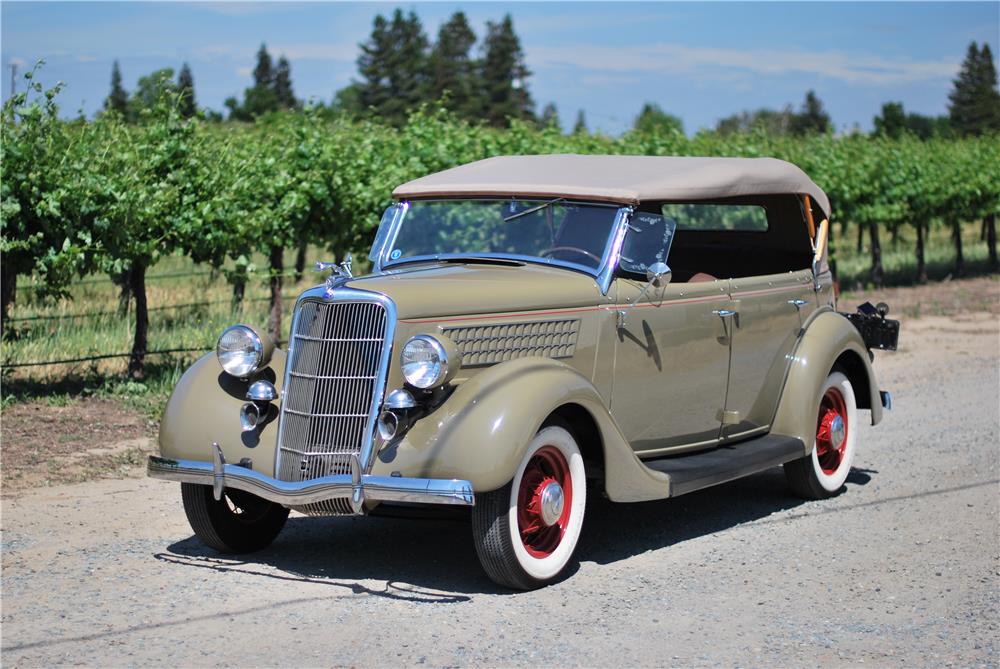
(544,500)
(527,531)
(831,431)
(823,472)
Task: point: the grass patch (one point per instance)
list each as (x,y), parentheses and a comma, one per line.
(899,256)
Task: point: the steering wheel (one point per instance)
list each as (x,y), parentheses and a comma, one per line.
(574,249)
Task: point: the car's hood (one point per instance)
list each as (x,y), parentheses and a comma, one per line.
(439,290)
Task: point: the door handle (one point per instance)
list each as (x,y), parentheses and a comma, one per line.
(798,304)
(726,313)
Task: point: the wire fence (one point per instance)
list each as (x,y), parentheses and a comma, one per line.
(262,274)
(104,356)
(115,312)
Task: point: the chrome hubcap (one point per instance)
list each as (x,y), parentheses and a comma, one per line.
(551,503)
(837,432)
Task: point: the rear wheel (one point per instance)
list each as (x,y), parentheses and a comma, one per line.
(822,473)
(238,523)
(527,531)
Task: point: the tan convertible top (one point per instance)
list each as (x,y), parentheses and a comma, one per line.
(621,179)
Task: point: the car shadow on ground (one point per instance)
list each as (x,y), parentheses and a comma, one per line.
(434,561)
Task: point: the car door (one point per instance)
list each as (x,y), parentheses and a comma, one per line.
(671,350)
(671,364)
(770,313)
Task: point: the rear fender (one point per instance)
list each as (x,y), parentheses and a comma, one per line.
(829,340)
(481,432)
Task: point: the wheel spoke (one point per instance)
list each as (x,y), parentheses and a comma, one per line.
(547,469)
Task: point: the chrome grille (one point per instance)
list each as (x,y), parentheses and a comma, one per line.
(329,402)
(491,344)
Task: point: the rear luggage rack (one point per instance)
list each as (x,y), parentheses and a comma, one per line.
(876,330)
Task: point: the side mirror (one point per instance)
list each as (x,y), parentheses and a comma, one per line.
(658,274)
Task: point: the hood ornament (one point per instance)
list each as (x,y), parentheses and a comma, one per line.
(341,273)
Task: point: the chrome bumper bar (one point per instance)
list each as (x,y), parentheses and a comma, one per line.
(355,487)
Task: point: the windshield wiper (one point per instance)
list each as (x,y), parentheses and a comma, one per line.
(532,210)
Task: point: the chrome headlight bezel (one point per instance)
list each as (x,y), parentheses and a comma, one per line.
(437,367)
(240,358)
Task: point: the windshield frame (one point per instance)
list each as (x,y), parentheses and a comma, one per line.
(386,239)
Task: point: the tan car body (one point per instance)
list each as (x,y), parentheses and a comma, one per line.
(618,385)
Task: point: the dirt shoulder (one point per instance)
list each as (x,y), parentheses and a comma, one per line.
(85,439)
(946,298)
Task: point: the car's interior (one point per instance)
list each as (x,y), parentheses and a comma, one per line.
(735,237)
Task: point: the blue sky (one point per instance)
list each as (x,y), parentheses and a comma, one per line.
(700,61)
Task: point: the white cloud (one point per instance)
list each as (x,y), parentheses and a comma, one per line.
(666,58)
(85,58)
(18,62)
(244,71)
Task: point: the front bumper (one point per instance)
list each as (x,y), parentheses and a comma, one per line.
(356,487)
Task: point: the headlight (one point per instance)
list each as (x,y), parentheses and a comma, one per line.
(428,362)
(240,350)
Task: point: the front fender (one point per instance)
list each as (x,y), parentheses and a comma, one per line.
(481,432)
(828,338)
(205,408)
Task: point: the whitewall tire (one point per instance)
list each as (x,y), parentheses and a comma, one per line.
(822,473)
(527,531)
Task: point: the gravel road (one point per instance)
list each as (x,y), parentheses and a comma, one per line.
(902,569)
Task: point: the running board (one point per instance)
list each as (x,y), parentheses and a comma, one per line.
(707,468)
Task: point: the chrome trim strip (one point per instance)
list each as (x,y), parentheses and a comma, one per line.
(390,238)
(342,486)
(607,270)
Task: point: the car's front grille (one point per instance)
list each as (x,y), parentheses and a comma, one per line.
(328,407)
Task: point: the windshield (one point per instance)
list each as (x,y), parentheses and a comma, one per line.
(549,231)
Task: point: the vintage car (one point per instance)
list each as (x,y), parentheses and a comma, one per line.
(536,330)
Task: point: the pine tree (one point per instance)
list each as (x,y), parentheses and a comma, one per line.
(550,116)
(812,119)
(393,65)
(373,66)
(452,71)
(975,100)
(260,98)
(283,85)
(653,119)
(117,100)
(263,73)
(185,87)
(892,121)
(504,75)
(580,127)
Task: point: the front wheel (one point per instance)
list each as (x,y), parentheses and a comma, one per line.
(822,473)
(238,523)
(527,531)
